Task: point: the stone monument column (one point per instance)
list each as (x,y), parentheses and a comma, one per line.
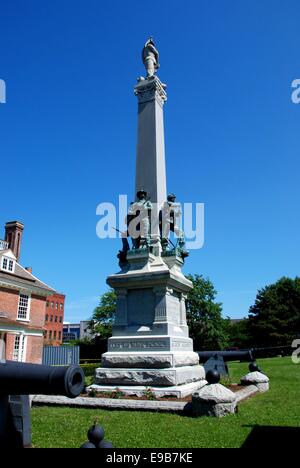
(150,158)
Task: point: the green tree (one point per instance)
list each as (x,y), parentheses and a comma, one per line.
(238,333)
(104,315)
(204,315)
(274,319)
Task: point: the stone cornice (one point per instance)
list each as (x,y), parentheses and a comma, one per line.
(149,90)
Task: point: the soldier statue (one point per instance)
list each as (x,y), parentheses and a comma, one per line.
(138,221)
(122,255)
(170,217)
(150,58)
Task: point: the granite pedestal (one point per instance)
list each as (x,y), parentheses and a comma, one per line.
(150,346)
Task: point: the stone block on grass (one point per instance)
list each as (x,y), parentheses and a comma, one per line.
(213,400)
(256,378)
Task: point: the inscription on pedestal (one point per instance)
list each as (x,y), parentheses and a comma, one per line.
(137,345)
(181,344)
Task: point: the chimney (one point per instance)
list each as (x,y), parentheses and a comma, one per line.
(13,235)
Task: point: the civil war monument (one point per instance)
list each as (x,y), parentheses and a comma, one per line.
(150,344)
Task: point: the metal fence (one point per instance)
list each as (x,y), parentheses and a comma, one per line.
(61,355)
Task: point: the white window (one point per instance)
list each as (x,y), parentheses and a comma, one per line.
(16,348)
(24,307)
(7,264)
(2,347)
(19,353)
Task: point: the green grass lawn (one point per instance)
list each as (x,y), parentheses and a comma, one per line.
(67,427)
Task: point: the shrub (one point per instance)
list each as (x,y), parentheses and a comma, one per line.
(117,393)
(89,369)
(148,393)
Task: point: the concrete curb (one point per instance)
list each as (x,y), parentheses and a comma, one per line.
(122,404)
(246,393)
(110,403)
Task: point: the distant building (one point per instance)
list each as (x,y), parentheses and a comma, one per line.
(54,319)
(22,302)
(76,331)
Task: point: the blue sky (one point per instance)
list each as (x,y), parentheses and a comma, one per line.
(68,134)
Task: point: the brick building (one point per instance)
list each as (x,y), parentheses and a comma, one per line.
(54,319)
(22,302)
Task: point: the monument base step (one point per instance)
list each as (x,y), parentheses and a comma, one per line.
(149,377)
(178,391)
(158,360)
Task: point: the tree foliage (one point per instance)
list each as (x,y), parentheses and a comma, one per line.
(238,333)
(274,319)
(104,315)
(204,315)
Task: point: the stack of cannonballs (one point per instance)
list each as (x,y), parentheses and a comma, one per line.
(96,438)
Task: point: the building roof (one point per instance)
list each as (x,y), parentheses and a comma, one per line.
(23,278)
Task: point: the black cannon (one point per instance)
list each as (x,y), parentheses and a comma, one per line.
(239,355)
(216,360)
(17,381)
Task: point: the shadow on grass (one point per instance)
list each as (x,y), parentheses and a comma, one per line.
(272,436)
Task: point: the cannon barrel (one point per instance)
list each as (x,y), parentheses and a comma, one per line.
(30,379)
(241,355)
